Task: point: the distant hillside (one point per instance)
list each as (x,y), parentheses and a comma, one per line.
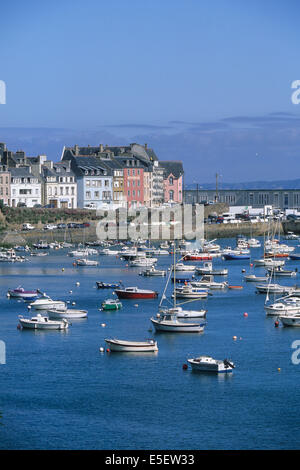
(281,184)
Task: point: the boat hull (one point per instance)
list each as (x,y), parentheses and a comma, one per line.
(179,327)
(132,346)
(136,295)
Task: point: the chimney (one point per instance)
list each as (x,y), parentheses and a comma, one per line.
(76,150)
(146,146)
(101,148)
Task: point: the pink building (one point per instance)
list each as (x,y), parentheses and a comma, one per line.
(134,186)
(173,181)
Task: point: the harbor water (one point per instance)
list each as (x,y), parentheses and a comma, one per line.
(59,391)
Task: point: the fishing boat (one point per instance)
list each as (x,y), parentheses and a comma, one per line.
(40,322)
(153,272)
(21,293)
(135,293)
(46,303)
(207,268)
(41,245)
(86,262)
(167,318)
(39,253)
(106,285)
(111,304)
(208,364)
(69,313)
(253,243)
(132,346)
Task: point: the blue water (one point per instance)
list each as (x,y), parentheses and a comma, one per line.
(58,391)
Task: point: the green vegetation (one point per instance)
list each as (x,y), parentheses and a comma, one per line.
(34,216)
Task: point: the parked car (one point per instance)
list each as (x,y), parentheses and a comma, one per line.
(27,227)
(50,227)
(71,225)
(61,226)
(21,204)
(292,217)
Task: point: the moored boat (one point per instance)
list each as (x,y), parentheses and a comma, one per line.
(135,293)
(69,313)
(208,364)
(21,293)
(40,322)
(111,304)
(132,346)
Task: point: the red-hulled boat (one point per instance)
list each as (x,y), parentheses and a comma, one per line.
(135,293)
(198,257)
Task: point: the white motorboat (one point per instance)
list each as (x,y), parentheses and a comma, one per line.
(207,268)
(108,252)
(253,243)
(132,346)
(284,307)
(189,292)
(153,272)
(187,313)
(209,282)
(143,262)
(78,253)
(70,314)
(291,236)
(184,267)
(208,364)
(269,262)
(290,320)
(46,303)
(21,293)
(274,289)
(86,262)
(40,322)
(253,278)
(279,271)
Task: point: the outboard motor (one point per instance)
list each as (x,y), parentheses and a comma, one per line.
(228,364)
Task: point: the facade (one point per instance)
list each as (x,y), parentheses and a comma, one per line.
(5,178)
(256,198)
(60,187)
(173,181)
(26,188)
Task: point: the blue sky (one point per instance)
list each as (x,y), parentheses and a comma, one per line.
(207,82)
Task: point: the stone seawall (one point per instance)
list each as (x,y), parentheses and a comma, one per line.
(88,234)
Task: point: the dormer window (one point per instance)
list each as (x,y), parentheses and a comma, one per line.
(171,180)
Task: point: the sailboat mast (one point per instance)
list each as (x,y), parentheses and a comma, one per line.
(174,274)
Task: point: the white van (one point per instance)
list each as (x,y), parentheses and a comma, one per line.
(27,227)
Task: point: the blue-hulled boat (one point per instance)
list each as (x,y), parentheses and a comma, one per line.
(294,256)
(233,256)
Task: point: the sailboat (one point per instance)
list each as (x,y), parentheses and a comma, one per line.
(167,318)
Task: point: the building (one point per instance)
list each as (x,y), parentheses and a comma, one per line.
(256,198)
(173,181)
(25,187)
(60,187)
(5,178)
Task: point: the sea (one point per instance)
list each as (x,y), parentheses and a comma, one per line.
(62,390)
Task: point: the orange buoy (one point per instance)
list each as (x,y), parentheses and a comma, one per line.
(276,324)
(107,350)
(245,314)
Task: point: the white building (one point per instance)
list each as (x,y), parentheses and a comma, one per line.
(60,187)
(25,188)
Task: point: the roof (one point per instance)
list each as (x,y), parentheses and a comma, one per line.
(173,167)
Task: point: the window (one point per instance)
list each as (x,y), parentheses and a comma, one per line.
(96,194)
(88,194)
(171,195)
(171,181)
(61,190)
(88,183)
(106,183)
(67,190)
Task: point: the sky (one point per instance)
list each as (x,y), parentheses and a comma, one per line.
(207,82)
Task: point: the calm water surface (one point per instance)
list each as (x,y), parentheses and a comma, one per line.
(58,391)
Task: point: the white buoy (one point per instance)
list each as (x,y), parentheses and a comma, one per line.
(70,292)
(103,325)
(73,303)
(101,349)
(77,283)
(136,305)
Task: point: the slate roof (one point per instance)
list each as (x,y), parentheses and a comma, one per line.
(172,167)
